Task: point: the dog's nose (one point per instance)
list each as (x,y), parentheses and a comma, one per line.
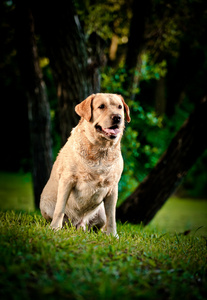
(116,118)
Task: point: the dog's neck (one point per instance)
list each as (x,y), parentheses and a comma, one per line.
(96,148)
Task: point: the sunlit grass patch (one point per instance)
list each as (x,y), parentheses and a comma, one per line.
(16,191)
(143,263)
(182,215)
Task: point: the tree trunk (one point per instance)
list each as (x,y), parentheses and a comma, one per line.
(160,97)
(38,107)
(136,43)
(188,144)
(66,48)
(182,75)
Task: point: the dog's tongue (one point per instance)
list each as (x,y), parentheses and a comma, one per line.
(110,131)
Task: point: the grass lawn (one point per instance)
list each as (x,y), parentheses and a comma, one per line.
(155,262)
(37,263)
(16,191)
(179,215)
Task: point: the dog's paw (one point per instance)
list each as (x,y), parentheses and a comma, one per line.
(81,226)
(116,236)
(55,226)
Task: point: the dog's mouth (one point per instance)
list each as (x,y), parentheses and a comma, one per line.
(110,132)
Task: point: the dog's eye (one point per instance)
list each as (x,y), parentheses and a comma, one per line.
(102,106)
(120,106)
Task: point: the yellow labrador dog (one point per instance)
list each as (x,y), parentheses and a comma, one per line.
(83,185)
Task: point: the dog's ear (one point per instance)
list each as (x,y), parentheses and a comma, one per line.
(126,109)
(84,109)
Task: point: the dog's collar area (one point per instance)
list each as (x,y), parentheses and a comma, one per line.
(110,132)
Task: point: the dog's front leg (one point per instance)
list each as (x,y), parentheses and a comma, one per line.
(110,209)
(64,189)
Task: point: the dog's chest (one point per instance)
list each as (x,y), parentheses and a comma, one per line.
(89,192)
(97,180)
(94,186)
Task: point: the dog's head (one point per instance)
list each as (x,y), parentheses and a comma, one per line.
(105,112)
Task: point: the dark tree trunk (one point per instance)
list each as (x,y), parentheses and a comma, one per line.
(38,107)
(160,97)
(184,75)
(136,42)
(66,48)
(188,144)
(137,29)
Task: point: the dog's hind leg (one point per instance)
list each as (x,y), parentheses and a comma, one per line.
(98,219)
(47,209)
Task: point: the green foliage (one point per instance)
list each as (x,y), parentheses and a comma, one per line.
(113,80)
(164,32)
(105,18)
(141,146)
(37,262)
(151,70)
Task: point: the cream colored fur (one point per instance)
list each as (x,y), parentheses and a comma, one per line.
(83,185)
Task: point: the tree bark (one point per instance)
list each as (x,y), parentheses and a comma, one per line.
(66,48)
(188,144)
(38,106)
(160,97)
(136,43)
(182,75)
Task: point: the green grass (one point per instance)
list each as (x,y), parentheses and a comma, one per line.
(36,262)
(16,191)
(179,215)
(158,261)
